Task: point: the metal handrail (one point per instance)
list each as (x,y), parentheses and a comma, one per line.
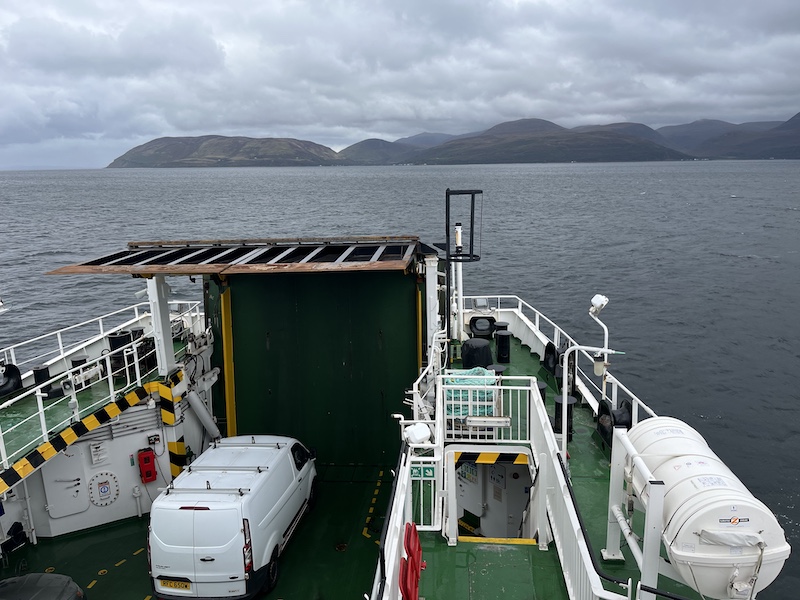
(131,369)
(560,338)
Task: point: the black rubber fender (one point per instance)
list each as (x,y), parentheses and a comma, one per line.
(10,379)
(550,360)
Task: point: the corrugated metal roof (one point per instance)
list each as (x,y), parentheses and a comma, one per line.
(255,256)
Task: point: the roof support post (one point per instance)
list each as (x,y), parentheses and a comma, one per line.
(431,300)
(158,294)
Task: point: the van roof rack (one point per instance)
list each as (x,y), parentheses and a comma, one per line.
(207,489)
(226,444)
(217,468)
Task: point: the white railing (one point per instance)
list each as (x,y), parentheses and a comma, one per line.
(580,575)
(535,330)
(425,503)
(65,398)
(487,408)
(507,409)
(76,390)
(45,348)
(386,584)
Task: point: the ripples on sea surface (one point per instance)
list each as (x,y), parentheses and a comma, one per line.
(701,261)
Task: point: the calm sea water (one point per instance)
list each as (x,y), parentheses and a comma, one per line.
(701,261)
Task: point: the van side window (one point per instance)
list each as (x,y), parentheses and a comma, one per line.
(300,456)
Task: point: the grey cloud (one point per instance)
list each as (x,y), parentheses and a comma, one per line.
(64,50)
(113,73)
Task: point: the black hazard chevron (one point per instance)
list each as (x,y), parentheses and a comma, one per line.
(44,452)
(177,456)
(489,458)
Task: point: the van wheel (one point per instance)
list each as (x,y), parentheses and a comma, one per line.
(272,572)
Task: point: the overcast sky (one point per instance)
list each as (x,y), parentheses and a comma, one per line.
(83,81)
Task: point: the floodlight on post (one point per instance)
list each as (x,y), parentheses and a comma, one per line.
(598,303)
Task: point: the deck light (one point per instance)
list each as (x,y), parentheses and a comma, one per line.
(598,303)
(599,364)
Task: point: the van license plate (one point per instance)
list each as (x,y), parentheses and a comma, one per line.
(176,585)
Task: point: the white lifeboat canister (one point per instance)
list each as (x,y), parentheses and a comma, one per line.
(722,540)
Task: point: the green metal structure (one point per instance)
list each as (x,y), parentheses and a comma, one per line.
(324,357)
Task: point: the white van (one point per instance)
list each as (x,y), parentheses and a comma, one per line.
(217,531)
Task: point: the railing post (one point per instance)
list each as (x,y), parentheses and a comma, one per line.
(3,453)
(109,376)
(541,504)
(40,406)
(136,366)
(612,549)
(451,523)
(651,545)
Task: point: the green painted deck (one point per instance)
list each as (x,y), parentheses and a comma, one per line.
(483,570)
(335,547)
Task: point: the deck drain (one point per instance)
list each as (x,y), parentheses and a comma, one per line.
(341,547)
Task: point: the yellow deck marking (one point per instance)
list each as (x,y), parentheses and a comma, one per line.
(482,540)
(121,562)
(91,585)
(140,550)
(466,526)
(365,531)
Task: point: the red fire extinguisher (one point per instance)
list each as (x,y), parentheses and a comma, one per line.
(147,465)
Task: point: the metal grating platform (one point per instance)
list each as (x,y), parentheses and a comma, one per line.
(255,256)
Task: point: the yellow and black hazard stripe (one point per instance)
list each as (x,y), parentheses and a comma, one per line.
(177,456)
(489,458)
(166,400)
(37,457)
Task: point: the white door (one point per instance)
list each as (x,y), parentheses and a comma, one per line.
(219,552)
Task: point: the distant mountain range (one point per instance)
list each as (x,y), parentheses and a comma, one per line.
(523,141)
